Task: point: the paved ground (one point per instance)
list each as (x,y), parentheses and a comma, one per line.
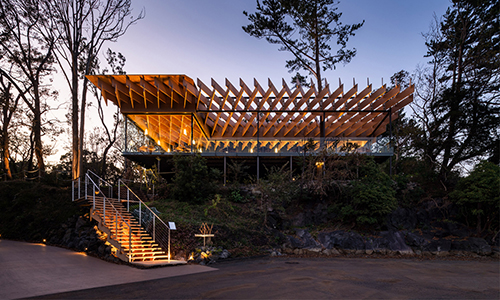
(285,278)
(337,278)
(28,270)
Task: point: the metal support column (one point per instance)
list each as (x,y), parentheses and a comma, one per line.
(322,131)
(390,141)
(126,134)
(224,170)
(258,145)
(192,134)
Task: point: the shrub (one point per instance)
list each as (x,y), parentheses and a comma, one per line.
(371,198)
(193,181)
(408,192)
(478,197)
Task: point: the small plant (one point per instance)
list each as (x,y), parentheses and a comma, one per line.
(237,197)
(215,201)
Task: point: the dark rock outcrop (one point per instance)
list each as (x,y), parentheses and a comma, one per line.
(402,218)
(341,240)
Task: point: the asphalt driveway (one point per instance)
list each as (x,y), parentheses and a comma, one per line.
(325,278)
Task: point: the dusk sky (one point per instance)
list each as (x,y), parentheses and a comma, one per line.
(204,39)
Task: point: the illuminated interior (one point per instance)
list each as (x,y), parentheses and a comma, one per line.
(167,114)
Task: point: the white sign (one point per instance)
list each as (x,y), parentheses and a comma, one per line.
(171,225)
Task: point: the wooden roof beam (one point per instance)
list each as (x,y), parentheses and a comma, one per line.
(386,97)
(333,96)
(305,124)
(374,96)
(345,97)
(294,122)
(359,97)
(107,91)
(406,93)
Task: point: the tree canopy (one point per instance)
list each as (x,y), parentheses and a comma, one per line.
(459,104)
(306,29)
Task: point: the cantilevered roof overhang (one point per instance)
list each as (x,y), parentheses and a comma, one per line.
(159,104)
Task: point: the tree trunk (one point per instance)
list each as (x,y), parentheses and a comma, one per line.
(103,160)
(5,152)
(76,159)
(37,130)
(82,122)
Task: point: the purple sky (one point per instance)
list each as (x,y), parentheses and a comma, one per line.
(204,39)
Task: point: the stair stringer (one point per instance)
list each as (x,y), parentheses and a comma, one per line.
(120,252)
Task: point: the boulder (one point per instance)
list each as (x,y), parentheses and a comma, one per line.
(293,242)
(225,254)
(341,240)
(311,215)
(402,218)
(376,245)
(396,242)
(475,245)
(306,239)
(438,247)
(81,222)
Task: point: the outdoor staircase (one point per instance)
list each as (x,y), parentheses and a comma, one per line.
(125,233)
(133,238)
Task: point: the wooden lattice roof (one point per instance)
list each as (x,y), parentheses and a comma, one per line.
(243,112)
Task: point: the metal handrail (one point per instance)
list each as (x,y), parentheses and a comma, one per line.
(102,180)
(120,183)
(105,199)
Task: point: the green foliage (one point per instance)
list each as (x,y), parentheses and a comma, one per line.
(193,181)
(306,29)
(478,196)
(219,207)
(278,190)
(215,201)
(237,170)
(458,106)
(236,197)
(408,192)
(30,210)
(371,198)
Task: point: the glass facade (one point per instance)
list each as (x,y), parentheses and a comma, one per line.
(181,133)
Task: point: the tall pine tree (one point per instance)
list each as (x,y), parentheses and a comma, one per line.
(460,115)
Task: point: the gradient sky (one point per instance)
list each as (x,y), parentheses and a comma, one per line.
(204,39)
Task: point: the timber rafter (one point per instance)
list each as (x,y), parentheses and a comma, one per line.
(231,112)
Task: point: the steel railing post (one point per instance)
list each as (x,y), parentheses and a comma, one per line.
(116,224)
(119,190)
(128,199)
(93,195)
(86,183)
(104,209)
(140,213)
(73,190)
(79,187)
(154,232)
(129,243)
